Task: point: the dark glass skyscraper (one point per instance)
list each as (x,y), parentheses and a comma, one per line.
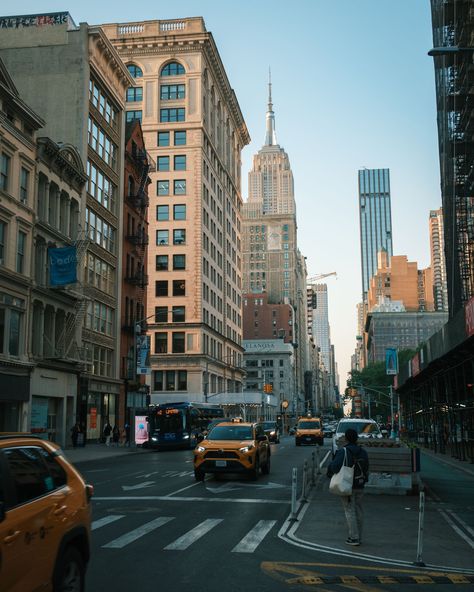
(375,220)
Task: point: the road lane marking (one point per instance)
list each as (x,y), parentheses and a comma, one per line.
(167,498)
(137,533)
(104,521)
(456,528)
(193,535)
(184,488)
(253,538)
(460,521)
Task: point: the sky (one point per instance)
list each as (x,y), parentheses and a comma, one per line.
(353,87)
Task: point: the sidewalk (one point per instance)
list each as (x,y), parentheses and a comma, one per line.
(390,525)
(99,451)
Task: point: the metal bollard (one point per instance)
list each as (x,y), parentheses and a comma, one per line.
(293,495)
(421,519)
(313,477)
(304,492)
(318,461)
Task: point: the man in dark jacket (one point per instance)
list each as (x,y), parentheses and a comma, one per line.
(352,504)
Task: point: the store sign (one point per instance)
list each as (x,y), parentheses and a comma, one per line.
(62,266)
(141,429)
(34,20)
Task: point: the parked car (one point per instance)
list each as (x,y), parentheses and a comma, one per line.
(272,430)
(365,428)
(45,517)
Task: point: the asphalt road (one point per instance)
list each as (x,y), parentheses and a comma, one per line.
(155,528)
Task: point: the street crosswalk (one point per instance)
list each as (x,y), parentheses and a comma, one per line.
(247,544)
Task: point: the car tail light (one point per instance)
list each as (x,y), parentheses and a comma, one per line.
(89,492)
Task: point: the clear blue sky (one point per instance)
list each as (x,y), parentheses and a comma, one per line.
(352,87)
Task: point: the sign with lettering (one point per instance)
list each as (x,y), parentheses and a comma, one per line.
(35,20)
(62,266)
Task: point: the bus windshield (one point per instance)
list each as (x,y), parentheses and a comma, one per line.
(170,420)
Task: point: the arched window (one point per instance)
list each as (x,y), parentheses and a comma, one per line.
(135,71)
(172,69)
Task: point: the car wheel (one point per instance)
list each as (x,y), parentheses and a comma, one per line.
(256,470)
(70,572)
(199,475)
(266,466)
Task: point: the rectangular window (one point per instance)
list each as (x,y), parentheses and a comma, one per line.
(161,314)
(179,187)
(134,94)
(158,380)
(179,313)
(163,138)
(20,251)
(163,187)
(169,92)
(132,115)
(162,237)
(179,212)
(161,343)
(162,263)
(179,261)
(161,288)
(182,380)
(178,342)
(180,138)
(3,230)
(162,213)
(179,287)
(172,115)
(4,171)
(24,182)
(170,376)
(163,163)
(180,162)
(179,236)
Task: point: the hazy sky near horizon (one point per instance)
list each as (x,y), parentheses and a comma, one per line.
(353,87)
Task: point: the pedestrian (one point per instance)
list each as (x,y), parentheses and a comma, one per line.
(127,434)
(75,431)
(356,457)
(107,433)
(116,435)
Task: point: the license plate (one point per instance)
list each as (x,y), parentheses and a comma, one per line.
(221,463)
(308,439)
(170,436)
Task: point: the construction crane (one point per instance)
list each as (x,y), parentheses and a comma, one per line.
(314,278)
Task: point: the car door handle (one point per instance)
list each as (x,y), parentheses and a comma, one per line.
(11,537)
(60,510)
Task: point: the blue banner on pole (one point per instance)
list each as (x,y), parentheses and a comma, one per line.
(391,361)
(143,354)
(62,266)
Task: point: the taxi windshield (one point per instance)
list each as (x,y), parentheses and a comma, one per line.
(237,432)
(309,425)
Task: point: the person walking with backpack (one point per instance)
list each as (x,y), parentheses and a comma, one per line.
(356,457)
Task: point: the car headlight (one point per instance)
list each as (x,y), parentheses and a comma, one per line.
(272,433)
(200,448)
(246,449)
(154,439)
(185,436)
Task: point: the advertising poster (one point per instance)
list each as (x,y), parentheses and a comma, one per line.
(62,266)
(391,361)
(143,354)
(93,418)
(141,429)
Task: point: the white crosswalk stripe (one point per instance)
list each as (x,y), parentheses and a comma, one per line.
(133,535)
(104,521)
(193,535)
(253,538)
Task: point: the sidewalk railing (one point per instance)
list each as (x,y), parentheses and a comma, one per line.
(308,480)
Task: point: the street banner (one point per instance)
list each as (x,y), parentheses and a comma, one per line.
(391,361)
(141,429)
(62,266)
(143,354)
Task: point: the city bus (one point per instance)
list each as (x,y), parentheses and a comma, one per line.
(178,425)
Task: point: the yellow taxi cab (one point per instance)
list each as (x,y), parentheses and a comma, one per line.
(233,447)
(309,430)
(45,518)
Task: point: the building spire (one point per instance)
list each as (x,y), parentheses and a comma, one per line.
(270,136)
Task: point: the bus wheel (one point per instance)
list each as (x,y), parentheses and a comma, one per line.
(199,475)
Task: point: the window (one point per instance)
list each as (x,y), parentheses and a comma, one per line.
(161,288)
(4,171)
(179,236)
(100,186)
(135,93)
(161,343)
(162,237)
(180,162)
(178,342)
(24,182)
(169,92)
(163,163)
(20,251)
(133,115)
(162,263)
(170,375)
(179,212)
(163,187)
(158,380)
(180,138)
(3,230)
(173,69)
(135,71)
(100,231)
(162,213)
(179,187)
(179,261)
(182,380)
(172,115)
(100,318)
(55,469)
(163,138)
(179,287)
(30,475)
(179,313)
(161,314)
